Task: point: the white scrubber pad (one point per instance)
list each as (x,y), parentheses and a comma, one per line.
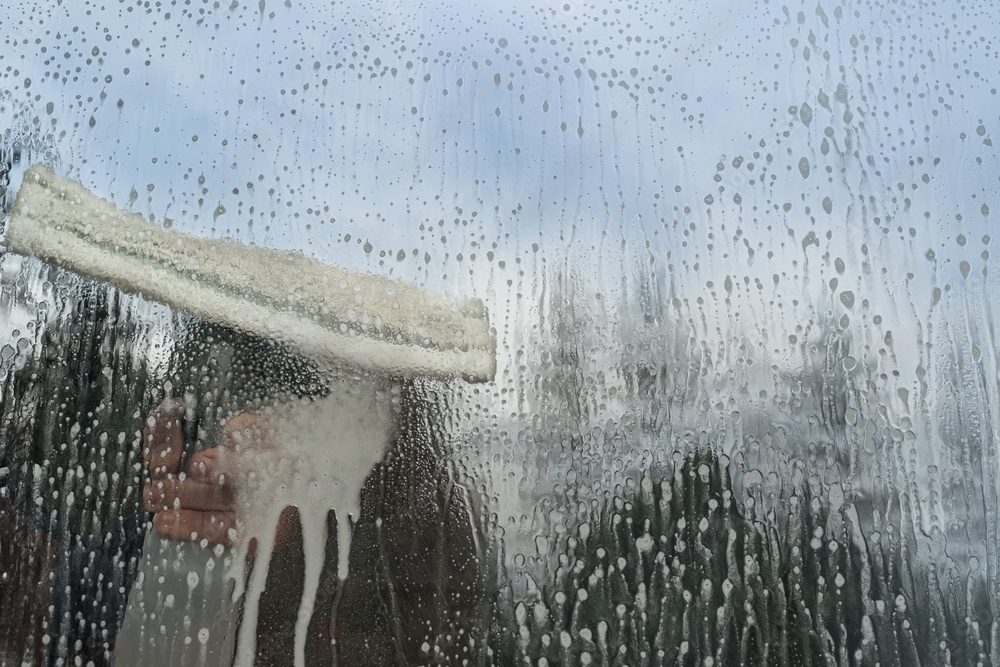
(328,314)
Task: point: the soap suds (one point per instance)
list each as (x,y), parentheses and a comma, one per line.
(327,448)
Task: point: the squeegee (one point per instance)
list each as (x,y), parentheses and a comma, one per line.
(326,313)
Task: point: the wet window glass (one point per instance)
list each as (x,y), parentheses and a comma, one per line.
(559,333)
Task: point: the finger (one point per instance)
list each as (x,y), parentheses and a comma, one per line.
(217,465)
(239,467)
(192,525)
(204,466)
(249,431)
(177,494)
(163,439)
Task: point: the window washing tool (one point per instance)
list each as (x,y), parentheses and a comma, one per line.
(327,314)
(356,329)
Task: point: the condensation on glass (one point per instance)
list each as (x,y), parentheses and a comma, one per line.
(738,261)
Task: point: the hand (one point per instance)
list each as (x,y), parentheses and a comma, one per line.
(207,500)
(226,495)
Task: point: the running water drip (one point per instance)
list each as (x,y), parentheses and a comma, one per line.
(323,452)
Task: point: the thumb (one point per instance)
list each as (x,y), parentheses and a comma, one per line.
(163,439)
